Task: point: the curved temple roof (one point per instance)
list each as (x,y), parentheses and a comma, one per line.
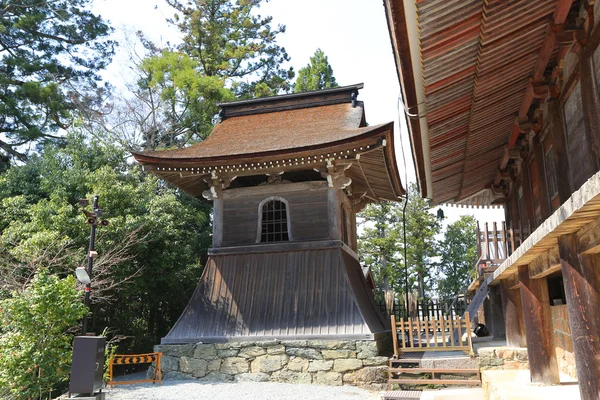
(286,133)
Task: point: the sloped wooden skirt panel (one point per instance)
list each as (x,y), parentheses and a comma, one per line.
(303,294)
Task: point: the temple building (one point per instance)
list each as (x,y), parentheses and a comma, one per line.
(503,107)
(286,176)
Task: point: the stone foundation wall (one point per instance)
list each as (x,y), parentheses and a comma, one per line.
(503,358)
(323,362)
(563,342)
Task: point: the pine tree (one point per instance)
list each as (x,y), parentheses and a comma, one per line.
(50,53)
(316,75)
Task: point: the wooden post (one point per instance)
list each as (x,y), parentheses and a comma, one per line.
(543,197)
(590,110)
(538,327)
(561,157)
(496,313)
(513,315)
(217,238)
(581,278)
(527,197)
(335,214)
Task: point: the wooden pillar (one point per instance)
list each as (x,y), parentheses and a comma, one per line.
(513,315)
(543,197)
(335,214)
(581,277)
(527,197)
(561,157)
(217,238)
(496,313)
(538,328)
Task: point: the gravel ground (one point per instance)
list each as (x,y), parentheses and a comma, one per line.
(189,389)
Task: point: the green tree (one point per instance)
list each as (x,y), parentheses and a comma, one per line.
(458,254)
(229,40)
(189,99)
(35,346)
(39,220)
(50,53)
(421,228)
(317,75)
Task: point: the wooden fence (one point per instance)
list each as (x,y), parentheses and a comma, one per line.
(426,308)
(431,334)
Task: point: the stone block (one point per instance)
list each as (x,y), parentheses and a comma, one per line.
(252,377)
(328,378)
(320,365)
(234,365)
(298,364)
(229,345)
(379,360)
(287,376)
(304,352)
(269,363)
(521,354)
(294,343)
(205,351)
(177,376)
(175,350)
(214,365)
(194,366)
(169,363)
(267,343)
(368,375)
(505,354)
(217,377)
(345,365)
(252,352)
(276,349)
(366,349)
(227,353)
(333,354)
(332,344)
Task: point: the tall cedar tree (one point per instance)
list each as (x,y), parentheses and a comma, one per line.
(316,75)
(381,243)
(458,254)
(51,51)
(230,41)
(421,228)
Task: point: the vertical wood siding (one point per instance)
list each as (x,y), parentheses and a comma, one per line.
(297,293)
(307,212)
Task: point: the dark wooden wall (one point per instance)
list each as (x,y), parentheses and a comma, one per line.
(307,212)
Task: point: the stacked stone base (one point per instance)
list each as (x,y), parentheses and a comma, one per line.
(321,362)
(503,358)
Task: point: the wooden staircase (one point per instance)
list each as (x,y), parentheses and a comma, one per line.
(407,370)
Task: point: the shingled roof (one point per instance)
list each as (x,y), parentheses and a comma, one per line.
(284,133)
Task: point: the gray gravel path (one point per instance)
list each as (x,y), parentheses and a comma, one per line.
(189,389)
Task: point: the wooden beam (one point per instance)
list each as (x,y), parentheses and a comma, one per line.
(560,15)
(588,238)
(538,328)
(546,264)
(513,316)
(581,277)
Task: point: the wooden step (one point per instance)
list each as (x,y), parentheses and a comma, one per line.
(435,381)
(402,395)
(435,371)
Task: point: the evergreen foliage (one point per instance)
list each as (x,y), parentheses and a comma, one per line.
(50,53)
(458,254)
(317,75)
(229,40)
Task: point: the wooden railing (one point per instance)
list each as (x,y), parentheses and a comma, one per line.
(495,243)
(431,334)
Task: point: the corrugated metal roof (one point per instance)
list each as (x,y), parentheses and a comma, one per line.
(305,293)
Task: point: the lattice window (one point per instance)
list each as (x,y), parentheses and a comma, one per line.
(274,223)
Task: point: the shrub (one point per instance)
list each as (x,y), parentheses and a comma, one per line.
(35,347)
